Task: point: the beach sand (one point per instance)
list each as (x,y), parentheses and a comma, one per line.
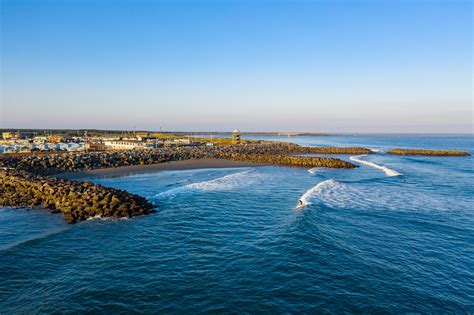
(140,169)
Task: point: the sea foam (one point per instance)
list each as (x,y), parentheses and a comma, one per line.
(312,194)
(385,169)
(224,183)
(336,194)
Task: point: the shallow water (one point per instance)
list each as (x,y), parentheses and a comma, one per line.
(235,240)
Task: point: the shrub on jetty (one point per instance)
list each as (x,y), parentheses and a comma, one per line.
(399,151)
(75,200)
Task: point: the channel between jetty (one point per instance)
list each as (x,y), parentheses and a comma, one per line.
(36,180)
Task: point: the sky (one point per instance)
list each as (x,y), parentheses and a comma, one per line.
(378,66)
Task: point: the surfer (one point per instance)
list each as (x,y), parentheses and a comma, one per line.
(300,202)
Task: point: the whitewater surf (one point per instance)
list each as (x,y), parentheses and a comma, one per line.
(385,169)
(224,183)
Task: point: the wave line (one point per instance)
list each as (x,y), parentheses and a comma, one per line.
(385,169)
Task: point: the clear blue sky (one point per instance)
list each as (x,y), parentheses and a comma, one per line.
(320,66)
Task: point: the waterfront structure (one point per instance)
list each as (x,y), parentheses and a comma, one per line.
(124,144)
(40,139)
(236,136)
(22,147)
(55,138)
(95,146)
(16,148)
(10,135)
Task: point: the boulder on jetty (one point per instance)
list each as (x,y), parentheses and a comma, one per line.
(399,151)
(335,150)
(288,160)
(75,200)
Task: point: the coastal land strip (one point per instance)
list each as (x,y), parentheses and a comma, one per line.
(29,181)
(150,168)
(55,181)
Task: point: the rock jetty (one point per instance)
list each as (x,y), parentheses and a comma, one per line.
(335,150)
(288,160)
(24,180)
(73,162)
(399,151)
(75,200)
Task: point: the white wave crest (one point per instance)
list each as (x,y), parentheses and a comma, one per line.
(313,170)
(312,194)
(224,183)
(385,169)
(369,197)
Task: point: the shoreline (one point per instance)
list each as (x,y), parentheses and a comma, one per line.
(152,168)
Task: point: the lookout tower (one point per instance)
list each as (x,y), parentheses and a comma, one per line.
(236,136)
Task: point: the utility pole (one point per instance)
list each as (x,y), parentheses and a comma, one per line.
(85,144)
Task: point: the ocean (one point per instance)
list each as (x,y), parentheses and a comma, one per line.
(395,235)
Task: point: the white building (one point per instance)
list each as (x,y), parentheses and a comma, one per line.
(124,144)
(40,139)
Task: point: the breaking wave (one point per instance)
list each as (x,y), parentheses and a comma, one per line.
(312,194)
(385,169)
(224,183)
(368,197)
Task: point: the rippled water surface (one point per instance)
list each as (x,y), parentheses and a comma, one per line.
(239,240)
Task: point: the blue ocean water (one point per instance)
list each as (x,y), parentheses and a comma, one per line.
(235,240)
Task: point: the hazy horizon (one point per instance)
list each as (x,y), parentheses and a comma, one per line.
(297,66)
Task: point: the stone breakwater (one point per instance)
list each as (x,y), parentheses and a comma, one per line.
(75,200)
(302,161)
(334,150)
(24,180)
(73,162)
(399,151)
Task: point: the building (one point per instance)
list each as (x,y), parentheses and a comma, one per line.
(236,136)
(55,138)
(9,149)
(124,144)
(40,139)
(180,142)
(24,149)
(15,148)
(10,135)
(96,146)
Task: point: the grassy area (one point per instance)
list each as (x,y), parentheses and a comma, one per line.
(399,151)
(222,141)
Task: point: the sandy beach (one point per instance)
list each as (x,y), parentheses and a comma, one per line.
(140,169)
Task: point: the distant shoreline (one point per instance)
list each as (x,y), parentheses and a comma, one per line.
(248,133)
(151,168)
